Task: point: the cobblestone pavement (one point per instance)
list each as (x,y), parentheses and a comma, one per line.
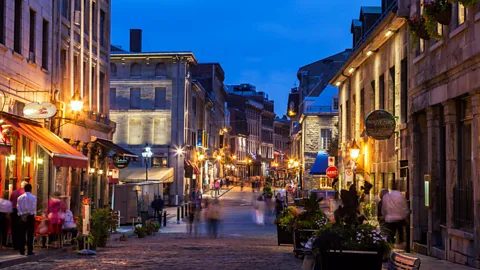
(241,245)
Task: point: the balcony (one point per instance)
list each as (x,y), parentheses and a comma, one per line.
(320,110)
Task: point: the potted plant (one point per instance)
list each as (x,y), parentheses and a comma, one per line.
(149,228)
(348,243)
(439,11)
(140,231)
(418,27)
(285,224)
(79,242)
(155,226)
(466,3)
(101,222)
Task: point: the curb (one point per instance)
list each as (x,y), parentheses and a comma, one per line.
(27,259)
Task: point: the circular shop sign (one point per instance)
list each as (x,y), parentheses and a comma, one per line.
(380,125)
(120,162)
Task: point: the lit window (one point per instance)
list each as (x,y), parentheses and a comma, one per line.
(462,14)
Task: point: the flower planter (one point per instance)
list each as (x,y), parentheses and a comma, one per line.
(422,33)
(348,259)
(284,237)
(444,17)
(300,236)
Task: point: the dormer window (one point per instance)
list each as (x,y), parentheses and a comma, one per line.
(335,104)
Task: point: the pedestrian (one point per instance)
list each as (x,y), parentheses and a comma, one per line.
(279,204)
(395,212)
(217,187)
(241,186)
(15,219)
(213,217)
(56,209)
(69,224)
(191,217)
(157,206)
(260,211)
(5,211)
(26,207)
(253,186)
(380,217)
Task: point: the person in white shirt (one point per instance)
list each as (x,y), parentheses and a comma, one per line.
(5,210)
(27,207)
(69,224)
(395,212)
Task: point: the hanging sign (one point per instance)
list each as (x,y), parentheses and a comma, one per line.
(37,110)
(120,162)
(86,216)
(349,175)
(331,161)
(380,125)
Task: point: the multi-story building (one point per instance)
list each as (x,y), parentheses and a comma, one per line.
(444,142)
(281,139)
(75,72)
(258,110)
(149,96)
(313,80)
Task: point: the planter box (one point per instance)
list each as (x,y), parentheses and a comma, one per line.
(284,237)
(299,237)
(349,259)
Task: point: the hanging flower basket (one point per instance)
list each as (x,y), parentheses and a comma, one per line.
(417,27)
(440,10)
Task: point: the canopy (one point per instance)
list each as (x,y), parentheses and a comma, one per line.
(188,163)
(129,174)
(114,147)
(321,164)
(63,154)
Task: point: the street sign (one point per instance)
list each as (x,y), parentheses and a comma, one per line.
(332,172)
(349,175)
(331,161)
(86,216)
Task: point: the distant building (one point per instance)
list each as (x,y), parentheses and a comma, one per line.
(281,140)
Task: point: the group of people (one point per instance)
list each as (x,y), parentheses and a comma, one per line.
(211,214)
(21,208)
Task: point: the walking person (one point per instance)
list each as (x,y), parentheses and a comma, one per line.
(5,210)
(213,217)
(260,211)
(157,206)
(26,207)
(217,188)
(241,186)
(395,212)
(380,216)
(15,219)
(56,209)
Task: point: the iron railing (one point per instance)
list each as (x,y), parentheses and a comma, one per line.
(320,109)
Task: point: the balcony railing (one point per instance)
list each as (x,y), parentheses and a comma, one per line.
(320,109)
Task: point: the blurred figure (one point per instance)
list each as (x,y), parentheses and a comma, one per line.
(157,205)
(15,221)
(69,224)
(27,208)
(217,187)
(395,212)
(56,209)
(241,186)
(260,211)
(380,217)
(5,210)
(279,204)
(213,217)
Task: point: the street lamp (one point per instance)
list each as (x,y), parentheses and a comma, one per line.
(76,102)
(179,151)
(354,153)
(147,155)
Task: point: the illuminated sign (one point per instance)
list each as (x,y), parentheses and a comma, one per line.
(380,125)
(37,110)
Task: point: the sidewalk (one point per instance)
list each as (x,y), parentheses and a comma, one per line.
(12,257)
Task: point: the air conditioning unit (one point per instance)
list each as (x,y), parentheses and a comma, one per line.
(77,19)
(31,57)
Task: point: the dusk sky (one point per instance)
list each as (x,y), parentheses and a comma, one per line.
(262,42)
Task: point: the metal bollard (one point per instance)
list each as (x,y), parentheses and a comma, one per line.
(183,210)
(178,214)
(164,218)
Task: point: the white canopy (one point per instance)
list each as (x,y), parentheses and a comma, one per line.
(129,175)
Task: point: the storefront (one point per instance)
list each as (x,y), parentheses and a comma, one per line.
(318,172)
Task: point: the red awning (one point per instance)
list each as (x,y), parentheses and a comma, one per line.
(188,163)
(63,154)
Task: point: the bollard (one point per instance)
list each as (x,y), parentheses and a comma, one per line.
(164,218)
(178,214)
(183,209)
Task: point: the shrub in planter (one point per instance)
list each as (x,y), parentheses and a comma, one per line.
(418,28)
(155,226)
(101,222)
(286,220)
(140,231)
(438,11)
(149,228)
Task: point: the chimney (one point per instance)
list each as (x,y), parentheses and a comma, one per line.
(135,40)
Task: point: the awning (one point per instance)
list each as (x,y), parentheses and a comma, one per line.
(63,154)
(188,163)
(163,175)
(321,164)
(116,148)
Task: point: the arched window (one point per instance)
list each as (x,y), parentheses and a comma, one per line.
(160,70)
(113,69)
(135,70)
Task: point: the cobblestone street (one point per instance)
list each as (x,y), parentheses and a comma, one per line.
(241,245)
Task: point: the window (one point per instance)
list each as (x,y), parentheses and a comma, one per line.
(461,14)
(372,96)
(77,5)
(45,45)
(65,80)
(159,162)
(86,16)
(362,108)
(94,21)
(391,90)
(135,98)
(160,70)
(101,89)
(85,80)
(31,46)
(404,89)
(17,27)
(160,97)
(160,131)
(102,27)
(76,74)
(135,135)
(94,94)
(335,103)
(381,104)
(113,98)
(113,69)
(65,9)
(194,105)
(2,21)
(135,70)
(326,138)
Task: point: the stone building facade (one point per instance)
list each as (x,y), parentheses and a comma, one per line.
(444,115)
(148,100)
(281,138)
(374,78)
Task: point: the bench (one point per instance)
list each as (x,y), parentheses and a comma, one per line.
(404,262)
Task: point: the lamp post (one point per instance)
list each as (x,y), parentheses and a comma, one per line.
(201,157)
(178,152)
(147,156)
(249,161)
(354,153)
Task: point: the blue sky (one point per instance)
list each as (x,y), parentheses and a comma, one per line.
(262,42)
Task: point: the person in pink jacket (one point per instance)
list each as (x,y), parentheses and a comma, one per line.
(56,208)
